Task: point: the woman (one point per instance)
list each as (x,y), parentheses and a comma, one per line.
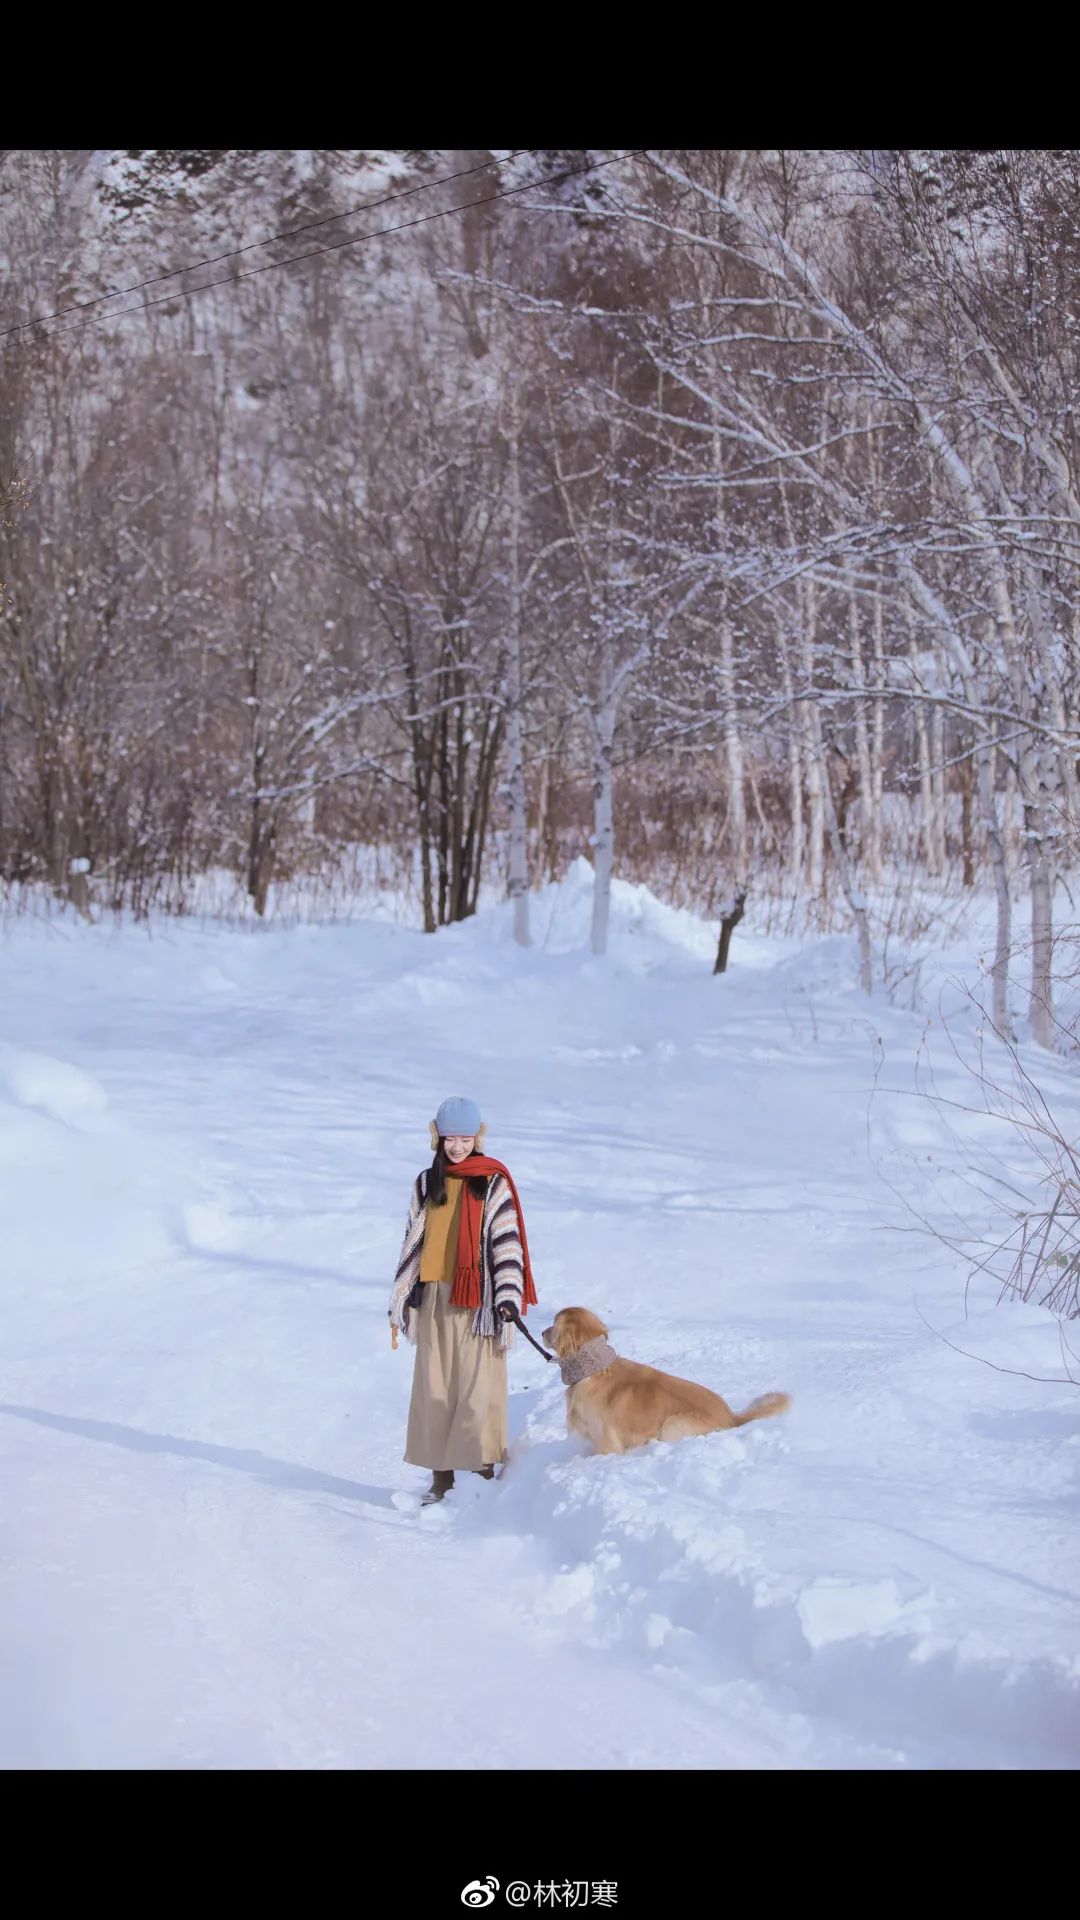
(462,1279)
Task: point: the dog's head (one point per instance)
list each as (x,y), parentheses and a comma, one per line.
(571,1329)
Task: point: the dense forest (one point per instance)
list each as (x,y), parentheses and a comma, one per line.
(714,514)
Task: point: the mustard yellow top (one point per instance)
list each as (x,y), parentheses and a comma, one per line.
(438,1255)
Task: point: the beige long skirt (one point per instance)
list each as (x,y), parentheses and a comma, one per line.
(458,1414)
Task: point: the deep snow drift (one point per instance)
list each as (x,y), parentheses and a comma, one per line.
(211,1549)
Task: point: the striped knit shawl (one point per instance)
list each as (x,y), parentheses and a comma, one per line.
(502,1266)
(595,1356)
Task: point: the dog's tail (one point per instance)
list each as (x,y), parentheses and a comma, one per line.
(764,1408)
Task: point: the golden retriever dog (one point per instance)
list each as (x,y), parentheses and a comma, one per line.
(616,1404)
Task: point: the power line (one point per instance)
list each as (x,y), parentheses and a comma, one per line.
(233,253)
(233,279)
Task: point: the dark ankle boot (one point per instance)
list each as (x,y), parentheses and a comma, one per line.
(441,1484)
(486,1473)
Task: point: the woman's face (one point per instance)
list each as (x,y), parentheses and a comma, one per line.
(458,1146)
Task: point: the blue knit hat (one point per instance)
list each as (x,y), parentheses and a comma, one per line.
(458,1115)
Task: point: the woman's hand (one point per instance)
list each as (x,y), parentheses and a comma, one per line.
(506,1312)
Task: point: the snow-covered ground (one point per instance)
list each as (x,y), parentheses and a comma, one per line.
(210,1549)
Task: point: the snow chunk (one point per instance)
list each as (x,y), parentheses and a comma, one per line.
(55,1086)
(833,1610)
(212,1227)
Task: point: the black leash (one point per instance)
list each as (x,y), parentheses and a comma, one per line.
(514,1316)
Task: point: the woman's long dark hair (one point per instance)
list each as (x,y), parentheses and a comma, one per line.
(436,1180)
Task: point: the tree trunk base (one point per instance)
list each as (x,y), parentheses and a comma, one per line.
(729,920)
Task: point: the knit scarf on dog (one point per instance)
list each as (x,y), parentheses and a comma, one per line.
(466,1289)
(595,1356)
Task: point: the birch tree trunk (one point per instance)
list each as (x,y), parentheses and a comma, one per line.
(877,746)
(999,867)
(733,754)
(260,848)
(869,838)
(814,759)
(1012,815)
(806,602)
(1041,1002)
(938,795)
(1040,863)
(797,848)
(1038,853)
(926,792)
(967,834)
(844,869)
(1068,784)
(519,824)
(542,802)
(603,736)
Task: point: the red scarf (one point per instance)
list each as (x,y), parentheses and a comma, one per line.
(466,1290)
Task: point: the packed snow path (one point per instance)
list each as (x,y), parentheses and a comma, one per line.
(212,1555)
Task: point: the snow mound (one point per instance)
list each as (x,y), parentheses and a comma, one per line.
(828,965)
(210,1225)
(642,930)
(55,1086)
